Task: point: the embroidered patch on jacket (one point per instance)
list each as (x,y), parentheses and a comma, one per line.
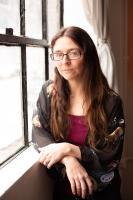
(36,122)
(51,90)
(107,177)
(117,134)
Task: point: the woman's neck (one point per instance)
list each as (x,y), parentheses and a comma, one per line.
(76,88)
(76,99)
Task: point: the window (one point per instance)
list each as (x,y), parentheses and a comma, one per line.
(11,95)
(25,31)
(10,16)
(77,18)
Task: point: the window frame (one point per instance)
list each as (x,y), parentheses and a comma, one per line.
(8,39)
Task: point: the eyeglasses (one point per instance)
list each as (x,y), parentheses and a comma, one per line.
(72,55)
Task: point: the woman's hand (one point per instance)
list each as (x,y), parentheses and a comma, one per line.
(79,179)
(53,153)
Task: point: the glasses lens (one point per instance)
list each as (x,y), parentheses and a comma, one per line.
(74,54)
(58,56)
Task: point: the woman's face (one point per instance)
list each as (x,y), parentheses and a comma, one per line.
(70,65)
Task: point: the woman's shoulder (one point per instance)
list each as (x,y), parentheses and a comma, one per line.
(46,84)
(48,87)
(113,97)
(112,101)
(44,98)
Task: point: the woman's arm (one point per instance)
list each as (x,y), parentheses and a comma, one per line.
(54,153)
(80,181)
(41,135)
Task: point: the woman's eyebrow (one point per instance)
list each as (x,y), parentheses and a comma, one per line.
(65,50)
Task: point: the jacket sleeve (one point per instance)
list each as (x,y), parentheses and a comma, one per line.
(41,134)
(103,162)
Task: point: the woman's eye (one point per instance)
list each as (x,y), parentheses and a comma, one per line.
(74,53)
(58,55)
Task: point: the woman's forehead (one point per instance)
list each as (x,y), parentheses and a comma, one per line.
(64,43)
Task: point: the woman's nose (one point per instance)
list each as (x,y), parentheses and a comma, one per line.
(65,58)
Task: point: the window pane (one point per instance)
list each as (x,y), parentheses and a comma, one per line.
(35,78)
(53,15)
(33,17)
(10,16)
(11,118)
(75,19)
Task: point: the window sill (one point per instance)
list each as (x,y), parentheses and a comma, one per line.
(10,173)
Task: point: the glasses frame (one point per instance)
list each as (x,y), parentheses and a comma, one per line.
(66,54)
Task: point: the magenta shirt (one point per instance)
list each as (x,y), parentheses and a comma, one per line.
(78,130)
(76,135)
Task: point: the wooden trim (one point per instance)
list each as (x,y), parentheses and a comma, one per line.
(21,40)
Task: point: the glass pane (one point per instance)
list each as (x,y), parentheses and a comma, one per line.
(75,19)
(35,78)
(33,17)
(53,15)
(11,118)
(53,25)
(10,16)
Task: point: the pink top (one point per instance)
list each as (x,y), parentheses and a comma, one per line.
(78,130)
(77,135)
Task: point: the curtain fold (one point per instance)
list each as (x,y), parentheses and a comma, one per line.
(96,12)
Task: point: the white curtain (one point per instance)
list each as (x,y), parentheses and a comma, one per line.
(96,12)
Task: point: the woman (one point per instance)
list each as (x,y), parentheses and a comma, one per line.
(79,122)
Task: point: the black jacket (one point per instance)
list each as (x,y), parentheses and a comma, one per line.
(101,163)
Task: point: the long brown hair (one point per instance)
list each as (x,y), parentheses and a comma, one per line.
(95,89)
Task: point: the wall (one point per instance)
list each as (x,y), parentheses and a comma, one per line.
(127,173)
(35,184)
(121,30)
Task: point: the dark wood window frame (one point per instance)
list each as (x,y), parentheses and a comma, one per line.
(9,39)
